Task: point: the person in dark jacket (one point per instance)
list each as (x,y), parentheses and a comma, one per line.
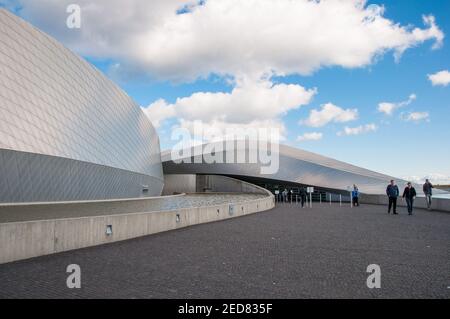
(392,192)
(427,190)
(409,194)
(302,196)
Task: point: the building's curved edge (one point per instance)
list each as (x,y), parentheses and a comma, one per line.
(29,177)
(291,152)
(296,166)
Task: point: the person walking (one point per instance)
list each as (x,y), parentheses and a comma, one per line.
(427,190)
(355,196)
(409,194)
(285,194)
(392,192)
(302,196)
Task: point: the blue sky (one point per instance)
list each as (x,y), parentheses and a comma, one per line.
(414,148)
(398,148)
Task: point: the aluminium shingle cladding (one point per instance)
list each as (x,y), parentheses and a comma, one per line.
(53,102)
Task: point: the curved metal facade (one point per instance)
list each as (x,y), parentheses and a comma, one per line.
(295,166)
(56,108)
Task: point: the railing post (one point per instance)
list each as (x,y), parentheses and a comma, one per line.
(351,199)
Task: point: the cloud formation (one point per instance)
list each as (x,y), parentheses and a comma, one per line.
(250,103)
(313,136)
(388,108)
(159,111)
(440,78)
(181,40)
(329,113)
(248,42)
(358,130)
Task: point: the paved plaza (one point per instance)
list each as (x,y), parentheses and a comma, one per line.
(287,252)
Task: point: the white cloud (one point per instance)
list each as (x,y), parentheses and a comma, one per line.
(416,116)
(358,130)
(159,111)
(440,78)
(231,37)
(329,113)
(250,103)
(314,136)
(388,107)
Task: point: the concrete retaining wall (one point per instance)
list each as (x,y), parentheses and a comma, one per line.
(440,204)
(21,240)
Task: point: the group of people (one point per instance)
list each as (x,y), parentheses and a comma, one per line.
(392,191)
(288,196)
(409,194)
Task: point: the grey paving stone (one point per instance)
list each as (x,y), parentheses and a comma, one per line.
(287,252)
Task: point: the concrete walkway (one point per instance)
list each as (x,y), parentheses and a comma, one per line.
(287,252)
